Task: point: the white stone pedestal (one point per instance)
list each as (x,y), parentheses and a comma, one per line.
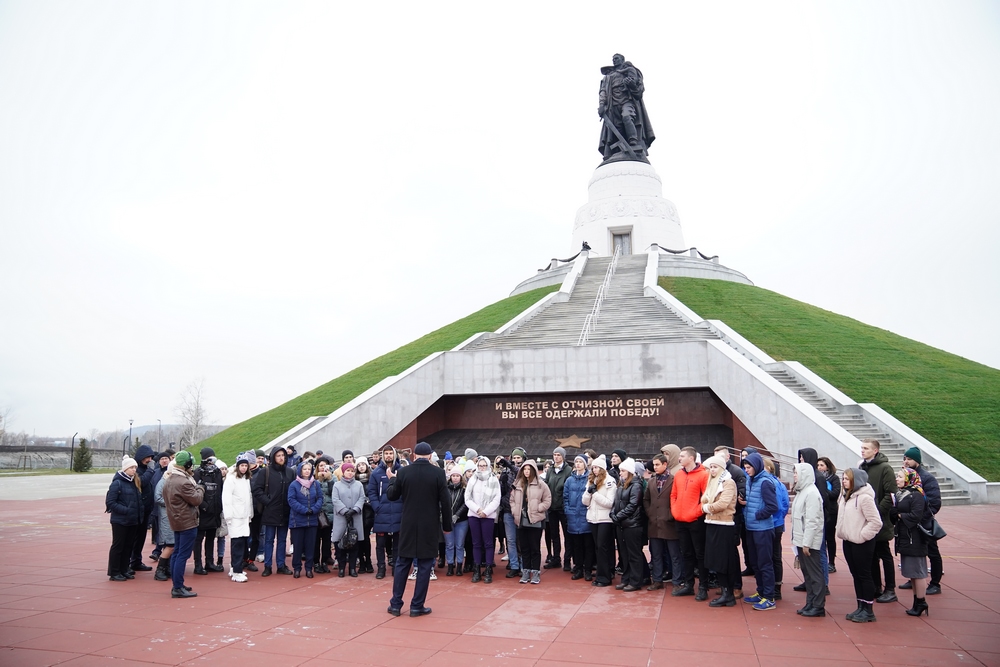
(625,198)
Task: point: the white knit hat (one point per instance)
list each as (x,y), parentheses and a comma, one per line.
(600,462)
(628,465)
(128,462)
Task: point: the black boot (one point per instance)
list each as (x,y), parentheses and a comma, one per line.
(198,569)
(702,593)
(888,596)
(850,617)
(919,607)
(459,569)
(451,570)
(341,571)
(488,575)
(380,574)
(725,599)
(352,571)
(866,615)
(477,574)
(162,570)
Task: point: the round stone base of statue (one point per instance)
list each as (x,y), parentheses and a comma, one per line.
(626,207)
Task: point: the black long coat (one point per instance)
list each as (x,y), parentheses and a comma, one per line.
(270,492)
(426,508)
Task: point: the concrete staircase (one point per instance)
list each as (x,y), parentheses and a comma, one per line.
(861,429)
(626,315)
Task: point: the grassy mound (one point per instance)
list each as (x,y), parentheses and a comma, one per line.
(326,398)
(951,401)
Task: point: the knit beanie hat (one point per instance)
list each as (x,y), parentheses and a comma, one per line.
(559,450)
(260,452)
(640,468)
(471,454)
(344,454)
(247,457)
(518,451)
(206,452)
(717,460)
(628,465)
(621,453)
(600,462)
(183,459)
(448,456)
(128,462)
(913,453)
(346,466)
(582,457)
(469,465)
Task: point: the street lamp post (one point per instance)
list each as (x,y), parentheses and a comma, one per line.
(129,435)
(159,428)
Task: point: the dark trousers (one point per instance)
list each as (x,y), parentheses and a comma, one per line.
(383,545)
(482,540)
(238,552)
(746,548)
(937,565)
(776,562)
(812,572)
(692,538)
(348,557)
(557,519)
(830,530)
(303,542)
(253,542)
(633,560)
(859,559)
(274,545)
(139,543)
(883,554)
(365,550)
(205,537)
(665,558)
(581,546)
(760,544)
(399,574)
(183,544)
(324,544)
(604,550)
(529,540)
(120,554)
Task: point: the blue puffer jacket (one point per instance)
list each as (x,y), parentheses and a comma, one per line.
(304,504)
(124,502)
(576,512)
(388,513)
(762,496)
(783,504)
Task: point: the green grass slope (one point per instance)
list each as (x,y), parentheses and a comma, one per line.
(951,401)
(326,398)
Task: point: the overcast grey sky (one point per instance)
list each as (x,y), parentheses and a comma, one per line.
(267,195)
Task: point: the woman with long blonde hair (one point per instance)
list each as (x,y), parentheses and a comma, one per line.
(599,499)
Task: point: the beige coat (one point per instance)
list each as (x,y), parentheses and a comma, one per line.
(858,520)
(539,497)
(719,500)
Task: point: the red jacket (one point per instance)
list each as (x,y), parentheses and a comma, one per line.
(685,496)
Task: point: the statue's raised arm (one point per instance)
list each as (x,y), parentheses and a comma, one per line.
(626,133)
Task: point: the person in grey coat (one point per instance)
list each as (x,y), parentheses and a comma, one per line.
(348,496)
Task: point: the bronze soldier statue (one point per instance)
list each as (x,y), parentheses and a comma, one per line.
(627,132)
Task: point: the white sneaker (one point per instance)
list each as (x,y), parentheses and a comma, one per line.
(260,558)
(505,557)
(413,575)
(239,577)
(231,573)
(434,576)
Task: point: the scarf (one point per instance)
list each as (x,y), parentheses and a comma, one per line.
(306,483)
(911,480)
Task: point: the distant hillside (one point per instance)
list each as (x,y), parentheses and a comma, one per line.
(326,398)
(950,400)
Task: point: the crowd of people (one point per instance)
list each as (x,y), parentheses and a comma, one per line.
(676,519)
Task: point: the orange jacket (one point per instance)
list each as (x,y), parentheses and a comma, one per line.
(685,495)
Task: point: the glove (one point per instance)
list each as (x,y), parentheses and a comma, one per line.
(592,489)
(310,512)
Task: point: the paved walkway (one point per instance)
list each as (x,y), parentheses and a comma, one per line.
(58,607)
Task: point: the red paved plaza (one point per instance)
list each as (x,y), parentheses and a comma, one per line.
(57,607)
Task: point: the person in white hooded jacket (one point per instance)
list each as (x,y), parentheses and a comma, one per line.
(599,499)
(482,497)
(237,507)
(807,538)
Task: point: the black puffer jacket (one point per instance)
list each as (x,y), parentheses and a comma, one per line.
(145,473)
(270,492)
(459,510)
(627,510)
(209,477)
(123,502)
(906,514)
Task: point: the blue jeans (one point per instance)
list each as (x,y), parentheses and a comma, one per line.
(183,546)
(659,551)
(454,543)
(511,529)
(270,532)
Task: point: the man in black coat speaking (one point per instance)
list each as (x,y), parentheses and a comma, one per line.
(426,512)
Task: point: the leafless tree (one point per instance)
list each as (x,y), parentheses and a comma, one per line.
(192,414)
(5,412)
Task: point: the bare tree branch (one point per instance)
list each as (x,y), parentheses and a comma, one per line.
(192,414)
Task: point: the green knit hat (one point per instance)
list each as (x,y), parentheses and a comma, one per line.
(913,453)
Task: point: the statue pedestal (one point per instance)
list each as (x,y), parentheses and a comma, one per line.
(625,205)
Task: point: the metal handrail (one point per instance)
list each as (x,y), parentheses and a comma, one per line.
(590,323)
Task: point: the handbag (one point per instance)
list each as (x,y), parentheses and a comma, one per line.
(350,538)
(323,521)
(935,532)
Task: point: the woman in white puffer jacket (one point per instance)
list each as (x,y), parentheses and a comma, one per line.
(482,497)
(237,507)
(599,499)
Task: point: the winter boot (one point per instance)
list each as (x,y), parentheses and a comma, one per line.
(459,569)
(850,617)
(488,575)
(477,574)
(162,570)
(919,607)
(866,615)
(726,599)
(198,569)
(451,570)
(777,592)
